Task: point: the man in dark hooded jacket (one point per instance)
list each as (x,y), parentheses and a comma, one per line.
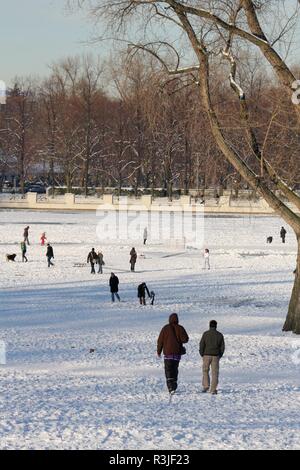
(170,342)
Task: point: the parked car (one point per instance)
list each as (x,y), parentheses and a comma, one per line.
(7,187)
(36,188)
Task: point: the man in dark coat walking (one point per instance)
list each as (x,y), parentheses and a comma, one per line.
(114,287)
(211,349)
(50,255)
(142,289)
(283,233)
(170,342)
(92,259)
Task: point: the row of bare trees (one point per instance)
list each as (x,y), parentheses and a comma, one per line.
(128,123)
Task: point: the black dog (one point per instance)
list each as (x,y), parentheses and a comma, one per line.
(270,240)
(11,258)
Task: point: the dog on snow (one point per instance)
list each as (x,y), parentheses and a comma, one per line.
(11,258)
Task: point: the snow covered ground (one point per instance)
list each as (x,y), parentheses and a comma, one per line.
(55,394)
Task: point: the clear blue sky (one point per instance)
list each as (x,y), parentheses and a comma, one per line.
(34,33)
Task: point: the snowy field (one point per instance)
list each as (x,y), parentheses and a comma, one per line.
(55,394)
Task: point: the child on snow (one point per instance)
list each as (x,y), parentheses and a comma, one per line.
(43,239)
(152,297)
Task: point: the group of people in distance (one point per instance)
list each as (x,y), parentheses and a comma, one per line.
(96,259)
(141,291)
(211,348)
(26,242)
(173,335)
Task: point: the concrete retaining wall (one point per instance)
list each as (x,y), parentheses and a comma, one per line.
(225,205)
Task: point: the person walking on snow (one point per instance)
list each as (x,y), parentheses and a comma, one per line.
(92,259)
(206,258)
(23,251)
(211,349)
(26,235)
(133,259)
(170,342)
(100,262)
(142,289)
(283,233)
(114,287)
(145,235)
(50,255)
(43,239)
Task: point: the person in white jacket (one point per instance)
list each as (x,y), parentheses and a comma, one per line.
(206,258)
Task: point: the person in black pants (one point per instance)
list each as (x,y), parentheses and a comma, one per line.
(114,287)
(50,255)
(170,342)
(283,234)
(93,259)
(142,289)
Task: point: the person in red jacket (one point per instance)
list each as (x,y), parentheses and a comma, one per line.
(170,342)
(43,239)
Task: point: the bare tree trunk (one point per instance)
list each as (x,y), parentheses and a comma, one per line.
(88,153)
(52,176)
(187,168)
(293,318)
(170,190)
(86,178)
(69,180)
(22,162)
